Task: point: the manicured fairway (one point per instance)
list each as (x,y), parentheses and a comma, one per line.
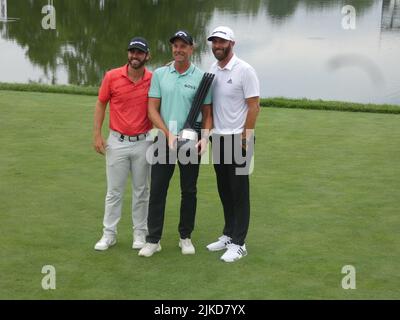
(325,193)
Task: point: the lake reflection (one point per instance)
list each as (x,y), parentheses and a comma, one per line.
(298,47)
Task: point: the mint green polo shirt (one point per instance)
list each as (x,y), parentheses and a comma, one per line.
(176,92)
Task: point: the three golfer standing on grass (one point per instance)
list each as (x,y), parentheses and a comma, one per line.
(235,106)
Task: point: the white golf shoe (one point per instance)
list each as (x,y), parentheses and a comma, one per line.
(234,252)
(149,249)
(139,240)
(187,246)
(105,242)
(221,244)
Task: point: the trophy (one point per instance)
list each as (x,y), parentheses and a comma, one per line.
(188,137)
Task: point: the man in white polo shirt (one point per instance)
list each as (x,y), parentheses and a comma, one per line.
(236,93)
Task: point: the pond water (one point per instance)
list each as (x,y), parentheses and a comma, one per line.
(299,48)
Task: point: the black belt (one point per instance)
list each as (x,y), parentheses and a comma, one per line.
(123,137)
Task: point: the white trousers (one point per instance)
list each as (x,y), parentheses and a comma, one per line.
(124,158)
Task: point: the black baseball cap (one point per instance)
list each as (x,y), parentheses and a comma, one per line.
(183,35)
(139,43)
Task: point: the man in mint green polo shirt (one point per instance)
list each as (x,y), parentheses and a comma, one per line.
(171,94)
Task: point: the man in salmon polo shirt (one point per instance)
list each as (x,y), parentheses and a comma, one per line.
(126,90)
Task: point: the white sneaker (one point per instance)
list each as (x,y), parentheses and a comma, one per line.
(221,244)
(149,249)
(186,246)
(139,240)
(105,242)
(234,252)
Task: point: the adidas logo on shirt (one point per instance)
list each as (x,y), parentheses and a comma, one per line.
(230,81)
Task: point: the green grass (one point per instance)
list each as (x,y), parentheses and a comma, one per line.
(325,193)
(266,102)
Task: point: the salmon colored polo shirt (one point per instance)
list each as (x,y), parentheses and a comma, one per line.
(128,101)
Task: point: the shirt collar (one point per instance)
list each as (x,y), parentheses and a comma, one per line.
(189,70)
(146,76)
(230,64)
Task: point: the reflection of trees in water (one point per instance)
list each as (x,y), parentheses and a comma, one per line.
(359,5)
(92,35)
(90,39)
(280,10)
(390,14)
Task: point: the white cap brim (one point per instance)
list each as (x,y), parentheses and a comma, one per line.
(219,34)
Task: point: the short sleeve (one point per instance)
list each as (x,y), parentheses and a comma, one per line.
(155,89)
(105,89)
(251,85)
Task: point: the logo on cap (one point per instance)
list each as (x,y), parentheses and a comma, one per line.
(137,42)
(185,36)
(219,32)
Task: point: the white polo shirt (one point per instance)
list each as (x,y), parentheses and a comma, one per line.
(233,84)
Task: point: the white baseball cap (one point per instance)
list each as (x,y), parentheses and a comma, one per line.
(222,32)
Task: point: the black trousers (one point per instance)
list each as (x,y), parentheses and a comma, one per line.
(161,175)
(233,185)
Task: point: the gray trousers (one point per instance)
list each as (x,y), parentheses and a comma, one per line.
(124,158)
